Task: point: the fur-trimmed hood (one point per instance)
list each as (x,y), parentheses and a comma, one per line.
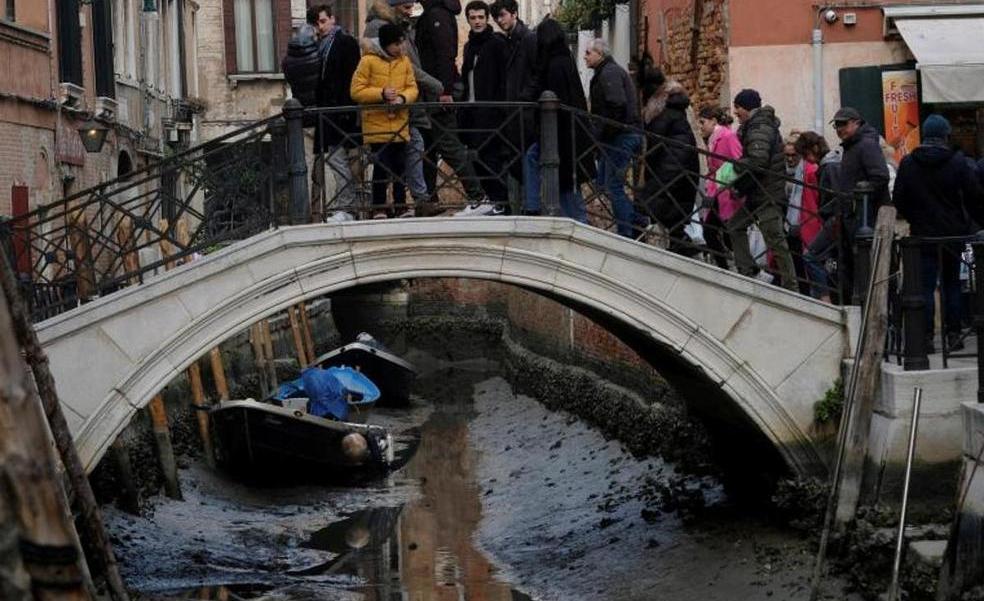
(380,9)
(669,95)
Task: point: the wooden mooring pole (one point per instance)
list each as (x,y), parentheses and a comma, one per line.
(267,340)
(165,450)
(94,530)
(46,560)
(306,331)
(295,329)
(201,411)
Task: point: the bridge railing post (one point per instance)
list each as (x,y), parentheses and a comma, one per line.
(913,307)
(549,155)
(978,311)
(280,213)
(300,204)
(862,242)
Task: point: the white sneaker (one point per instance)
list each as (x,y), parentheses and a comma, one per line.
(765,276)
(341,217)
(410,212)
(479,210)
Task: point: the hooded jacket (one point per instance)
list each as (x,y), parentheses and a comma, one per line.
(938,192)
(672,167)
(437,41)
(558,73)
(613,96)
(302,68)
(429,88)
(762,167)
(378,70)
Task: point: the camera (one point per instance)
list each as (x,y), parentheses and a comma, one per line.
(830,15)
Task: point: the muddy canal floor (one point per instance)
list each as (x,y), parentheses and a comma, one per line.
(497,499)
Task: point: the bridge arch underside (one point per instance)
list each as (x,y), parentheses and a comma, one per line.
(714,328)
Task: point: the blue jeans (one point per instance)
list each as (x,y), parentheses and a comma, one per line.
(613,165)
(414,172)
(571,201)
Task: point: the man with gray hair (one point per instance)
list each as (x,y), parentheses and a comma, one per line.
(613,97)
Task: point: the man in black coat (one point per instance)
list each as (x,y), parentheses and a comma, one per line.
(613,97)
(521,82)
(336,138)
(484,73)
(437,44)
(937,190)
(861,161)
(761,172)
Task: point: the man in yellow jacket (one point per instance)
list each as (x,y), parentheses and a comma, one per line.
(385,77)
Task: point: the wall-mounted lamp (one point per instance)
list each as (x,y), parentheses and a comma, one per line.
(93,135)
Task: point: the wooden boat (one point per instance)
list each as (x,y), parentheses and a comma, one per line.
(392,374)
(251,434)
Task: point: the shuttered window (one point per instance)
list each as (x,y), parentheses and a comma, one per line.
(69,42)
(102,42)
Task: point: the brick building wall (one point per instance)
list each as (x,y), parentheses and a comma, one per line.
(671,38)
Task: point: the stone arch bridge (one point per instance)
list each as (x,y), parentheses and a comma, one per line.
(770,352)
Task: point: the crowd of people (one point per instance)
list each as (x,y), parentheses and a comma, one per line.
(780,209)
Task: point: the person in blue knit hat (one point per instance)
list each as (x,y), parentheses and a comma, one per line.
(938,192)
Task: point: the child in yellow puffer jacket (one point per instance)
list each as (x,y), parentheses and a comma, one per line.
(385,76)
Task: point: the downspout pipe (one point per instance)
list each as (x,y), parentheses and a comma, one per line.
(817,42)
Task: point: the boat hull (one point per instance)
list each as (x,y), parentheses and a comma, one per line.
(393,375)
(250,434)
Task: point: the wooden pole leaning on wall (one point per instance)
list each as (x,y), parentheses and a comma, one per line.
(47,561)
(131,259)
(306,330)
(295,329)
(201,411)
(256,342)
(91,520)
(198,398)
(165,450)
(271,364)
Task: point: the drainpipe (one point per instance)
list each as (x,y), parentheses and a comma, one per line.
(817,42)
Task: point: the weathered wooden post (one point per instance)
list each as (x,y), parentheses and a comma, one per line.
(306,330)
(201,409)
(131,260)
(259,356)
(218,373)
(868,365)
(37,359)
(130,495)
(31,493)
(295,329)
(267,341)
(165,450)
(78,234)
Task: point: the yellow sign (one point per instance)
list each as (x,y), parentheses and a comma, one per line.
(900,98)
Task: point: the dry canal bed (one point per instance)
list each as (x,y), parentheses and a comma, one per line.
(498,499)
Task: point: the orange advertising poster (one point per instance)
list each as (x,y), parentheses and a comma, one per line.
(900,98)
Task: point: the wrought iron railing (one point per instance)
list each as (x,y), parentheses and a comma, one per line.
(100,239)
(535,158)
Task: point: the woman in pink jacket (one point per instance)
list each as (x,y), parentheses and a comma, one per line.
(724,146)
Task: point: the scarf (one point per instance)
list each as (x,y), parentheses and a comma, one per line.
(796,196)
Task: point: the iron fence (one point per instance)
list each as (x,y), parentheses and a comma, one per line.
(98,240)
(519,158)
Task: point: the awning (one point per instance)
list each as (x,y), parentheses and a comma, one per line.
(948,50)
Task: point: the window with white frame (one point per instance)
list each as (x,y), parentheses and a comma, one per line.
(255,39)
